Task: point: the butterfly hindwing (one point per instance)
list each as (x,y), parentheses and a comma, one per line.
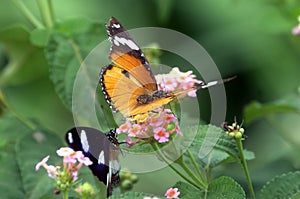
(100,149)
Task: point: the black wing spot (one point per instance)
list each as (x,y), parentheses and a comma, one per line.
(125,73)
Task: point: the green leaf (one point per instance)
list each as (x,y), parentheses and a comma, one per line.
(188,191)
(11,128)
(40,37)
(212,146)
(11,184)
(25,62)
(35,147)
(226,188)
(223,187)
(21,149)
(131,195)
(283,186)
(256,110)
(69,44)
(249,155)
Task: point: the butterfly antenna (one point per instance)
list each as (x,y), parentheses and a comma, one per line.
(213,83)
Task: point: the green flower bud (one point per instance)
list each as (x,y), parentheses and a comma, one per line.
(238,135)
(126,184)
(231,134)
(125,175)
(170,127)
(242,130)
(134,178)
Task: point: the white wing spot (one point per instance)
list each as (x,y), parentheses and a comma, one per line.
(70,138)
(116,42)
(101,159)
(123,41)
(84,141)
(116,25)
(108,178)
(209,84)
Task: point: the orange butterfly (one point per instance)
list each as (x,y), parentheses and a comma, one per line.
(128,84)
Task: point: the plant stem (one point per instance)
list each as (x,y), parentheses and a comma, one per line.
(195,164)
(51,12)
(26,122)
(191,174)
(155,146)
(45,12)
(65,195)
(20,5)
(245,167)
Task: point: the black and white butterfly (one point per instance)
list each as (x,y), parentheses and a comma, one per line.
(102,149)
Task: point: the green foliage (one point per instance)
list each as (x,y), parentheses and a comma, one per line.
(283,187)
(221,148)
(69,43)
(259,49)
(24,144)
(223,187)
(256,110)
(131,195)
(20,52)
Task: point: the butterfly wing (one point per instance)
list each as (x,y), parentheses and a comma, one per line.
(122,90)
(127,55)
(100,150)
(129,76)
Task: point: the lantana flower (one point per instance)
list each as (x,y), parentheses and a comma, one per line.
(172,193)
(157,126)
(161,135)
(65,176)
(177,80)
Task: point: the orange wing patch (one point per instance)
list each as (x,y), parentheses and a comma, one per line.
(136,69)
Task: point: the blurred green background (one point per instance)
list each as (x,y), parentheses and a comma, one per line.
(249,39)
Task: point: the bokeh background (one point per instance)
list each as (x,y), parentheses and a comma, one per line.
(249,39)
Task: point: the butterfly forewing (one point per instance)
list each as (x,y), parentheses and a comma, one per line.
(127,55)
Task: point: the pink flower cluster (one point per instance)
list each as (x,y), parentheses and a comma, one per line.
(70,158)
(296,29)
(177,80)
(161,125)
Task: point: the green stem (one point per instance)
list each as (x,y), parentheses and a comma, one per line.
(65,195)
(245,167)
(190,173)
(26,122)
(51,12)
(20,5)
(155,146)
(208,174)
(45,12)
(195,165)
